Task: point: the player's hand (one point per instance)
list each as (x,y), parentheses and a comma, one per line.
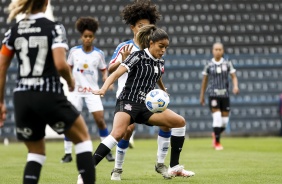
(100,92)
(202,101)
(126,51)
(3,113)
(236,90)
(71,85)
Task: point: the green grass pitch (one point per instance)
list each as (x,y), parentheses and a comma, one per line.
(243,161)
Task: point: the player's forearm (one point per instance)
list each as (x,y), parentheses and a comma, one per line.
(109,81)
(235,82)
(203,88)
(161,85)
(113,67)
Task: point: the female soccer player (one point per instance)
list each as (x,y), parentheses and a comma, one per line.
(147,14)
(85,60)
(40,46)
(144,70)
(215,74)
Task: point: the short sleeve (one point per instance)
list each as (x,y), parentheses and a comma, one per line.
(102,64)
(206,69)
(231,67)
(70,57)
(8,40)
(131,60)
(60,38)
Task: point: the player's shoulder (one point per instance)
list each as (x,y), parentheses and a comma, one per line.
(122,44)
(99,51)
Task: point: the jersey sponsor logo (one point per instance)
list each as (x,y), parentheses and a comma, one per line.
(85,71)
(26,132)
(128,107)
(82,89)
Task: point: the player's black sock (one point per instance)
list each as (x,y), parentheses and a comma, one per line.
(217,131)
(100,153)
(176,148)
(222,129)
(85,167)
(31,172)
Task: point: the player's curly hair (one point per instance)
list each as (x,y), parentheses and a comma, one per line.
(140,9)
(87,23)
(150,33)
(24,6)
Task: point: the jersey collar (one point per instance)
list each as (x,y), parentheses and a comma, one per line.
(217,62)
(36,16)
(150,55)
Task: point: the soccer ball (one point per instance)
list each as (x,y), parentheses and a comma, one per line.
(157,101)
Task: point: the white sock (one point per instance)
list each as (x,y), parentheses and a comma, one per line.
(163,145)
(225,120)
(217,119)
(120,155)
(131,140)
(68,147)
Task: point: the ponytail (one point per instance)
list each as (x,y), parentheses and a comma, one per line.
(150,33)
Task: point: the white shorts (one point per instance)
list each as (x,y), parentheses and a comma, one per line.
(93,102)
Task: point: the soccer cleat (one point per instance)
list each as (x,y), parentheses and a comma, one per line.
(162,169)
(131,145)
(213,140)
(179,170)
(79,180)
(116,174)
(218,146)
(66,158)
(110,157)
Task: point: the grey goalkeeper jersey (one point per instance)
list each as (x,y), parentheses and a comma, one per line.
(218,82)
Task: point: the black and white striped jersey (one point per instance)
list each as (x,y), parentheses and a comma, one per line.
(218,81)
(143,73)
(32,40)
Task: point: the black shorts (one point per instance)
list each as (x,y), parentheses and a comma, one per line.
(34,110)
(138,111)
(222,103)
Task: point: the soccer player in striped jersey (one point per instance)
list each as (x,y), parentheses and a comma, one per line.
(147,14)
(85,61)
(144,70)
(40,46)
(215,76)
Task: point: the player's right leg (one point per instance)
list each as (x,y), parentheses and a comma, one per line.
(78,134)
(68,150)
(121,149)
(163,146)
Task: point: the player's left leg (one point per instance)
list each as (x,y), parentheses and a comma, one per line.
(35,159)
(68,150)
(163,146)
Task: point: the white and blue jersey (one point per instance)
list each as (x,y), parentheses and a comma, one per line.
(85,67)
(117,57)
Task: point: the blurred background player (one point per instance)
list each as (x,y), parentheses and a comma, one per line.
(144,65)
(215,76)
(85,60)
(136,15)
(40,46)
